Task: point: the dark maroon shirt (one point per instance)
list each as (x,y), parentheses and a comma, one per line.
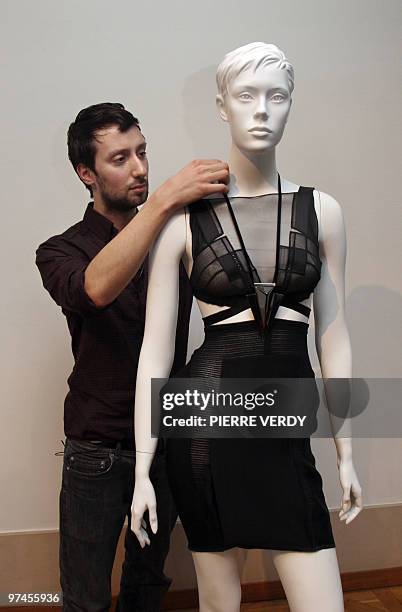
(106,341)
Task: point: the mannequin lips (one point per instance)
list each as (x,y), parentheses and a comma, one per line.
(261,130)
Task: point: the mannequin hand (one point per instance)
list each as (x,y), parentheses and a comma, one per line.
(352,502)
(198,179)
(143,499)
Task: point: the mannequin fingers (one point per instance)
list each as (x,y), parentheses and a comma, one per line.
(346,505)
(141,535)
(144,537)
(153,519)
(345,516)
(346,500)
(359,502)
(356,508)
(138,525)
(357,495)
(135,526)
(351,515)
(144,532)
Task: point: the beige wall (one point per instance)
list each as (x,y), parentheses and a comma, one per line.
(372,543)
(160,61)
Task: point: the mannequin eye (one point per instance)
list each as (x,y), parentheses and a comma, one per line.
(278,98)
(245,96)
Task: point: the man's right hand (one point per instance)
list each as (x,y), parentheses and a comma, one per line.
(198,179)
(115,265)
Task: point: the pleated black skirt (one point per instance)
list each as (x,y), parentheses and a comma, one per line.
(249,493)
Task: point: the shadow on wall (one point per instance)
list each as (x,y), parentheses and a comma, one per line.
(374,320)
(208,136)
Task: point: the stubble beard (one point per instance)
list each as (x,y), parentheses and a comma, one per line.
(122,204)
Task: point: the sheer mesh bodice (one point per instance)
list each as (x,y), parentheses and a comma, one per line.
(220,274)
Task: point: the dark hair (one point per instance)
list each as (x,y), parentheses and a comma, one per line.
(81,133)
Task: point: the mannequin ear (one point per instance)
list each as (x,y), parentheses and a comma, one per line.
(86,175)
(220,103)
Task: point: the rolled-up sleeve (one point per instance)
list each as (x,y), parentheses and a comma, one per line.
(63,276)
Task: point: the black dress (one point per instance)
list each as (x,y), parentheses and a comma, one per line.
(251,493)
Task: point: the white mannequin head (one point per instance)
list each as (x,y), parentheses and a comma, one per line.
(255,84)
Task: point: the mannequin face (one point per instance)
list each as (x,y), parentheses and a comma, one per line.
(255,100)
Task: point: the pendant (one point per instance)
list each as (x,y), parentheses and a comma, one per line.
(264,297)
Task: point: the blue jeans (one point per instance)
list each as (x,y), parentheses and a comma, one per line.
(95,497)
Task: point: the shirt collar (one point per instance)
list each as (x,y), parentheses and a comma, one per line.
(99,224)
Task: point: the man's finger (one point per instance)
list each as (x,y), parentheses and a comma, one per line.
(217,167)
(220,174)
(216,188)
(209,162)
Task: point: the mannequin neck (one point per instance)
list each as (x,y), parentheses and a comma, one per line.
(252,174)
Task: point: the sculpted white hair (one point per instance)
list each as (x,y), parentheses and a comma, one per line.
(254,55)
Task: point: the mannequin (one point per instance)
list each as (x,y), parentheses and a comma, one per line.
(255,83)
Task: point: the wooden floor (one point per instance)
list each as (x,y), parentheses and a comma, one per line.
(380,600)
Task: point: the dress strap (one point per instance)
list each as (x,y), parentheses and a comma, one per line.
(294,305)
(222,315)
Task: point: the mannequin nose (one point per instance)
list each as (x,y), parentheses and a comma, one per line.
(261,111)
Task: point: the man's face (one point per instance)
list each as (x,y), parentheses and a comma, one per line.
(121,168)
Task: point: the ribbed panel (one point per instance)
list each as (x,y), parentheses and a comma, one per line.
(238,340)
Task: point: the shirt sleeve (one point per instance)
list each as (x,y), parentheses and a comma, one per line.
(63,276)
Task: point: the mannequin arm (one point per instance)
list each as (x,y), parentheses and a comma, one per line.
(332,338)
(156,358)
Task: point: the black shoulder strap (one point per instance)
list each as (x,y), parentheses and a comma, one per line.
(202,222)
(304,218)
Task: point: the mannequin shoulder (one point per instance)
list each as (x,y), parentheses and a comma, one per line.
(329,214)
(172,237)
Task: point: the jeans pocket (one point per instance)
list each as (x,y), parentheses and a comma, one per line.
(87,487)
(86,459)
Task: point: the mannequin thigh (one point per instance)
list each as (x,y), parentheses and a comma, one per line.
(218,579)
(311,580)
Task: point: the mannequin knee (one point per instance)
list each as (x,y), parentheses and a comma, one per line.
(219,596)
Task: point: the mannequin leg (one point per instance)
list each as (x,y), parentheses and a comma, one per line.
(311,580)
(218,580)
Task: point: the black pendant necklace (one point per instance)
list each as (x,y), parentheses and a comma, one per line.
(263,299)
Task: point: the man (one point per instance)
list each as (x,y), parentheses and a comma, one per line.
(97,272)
